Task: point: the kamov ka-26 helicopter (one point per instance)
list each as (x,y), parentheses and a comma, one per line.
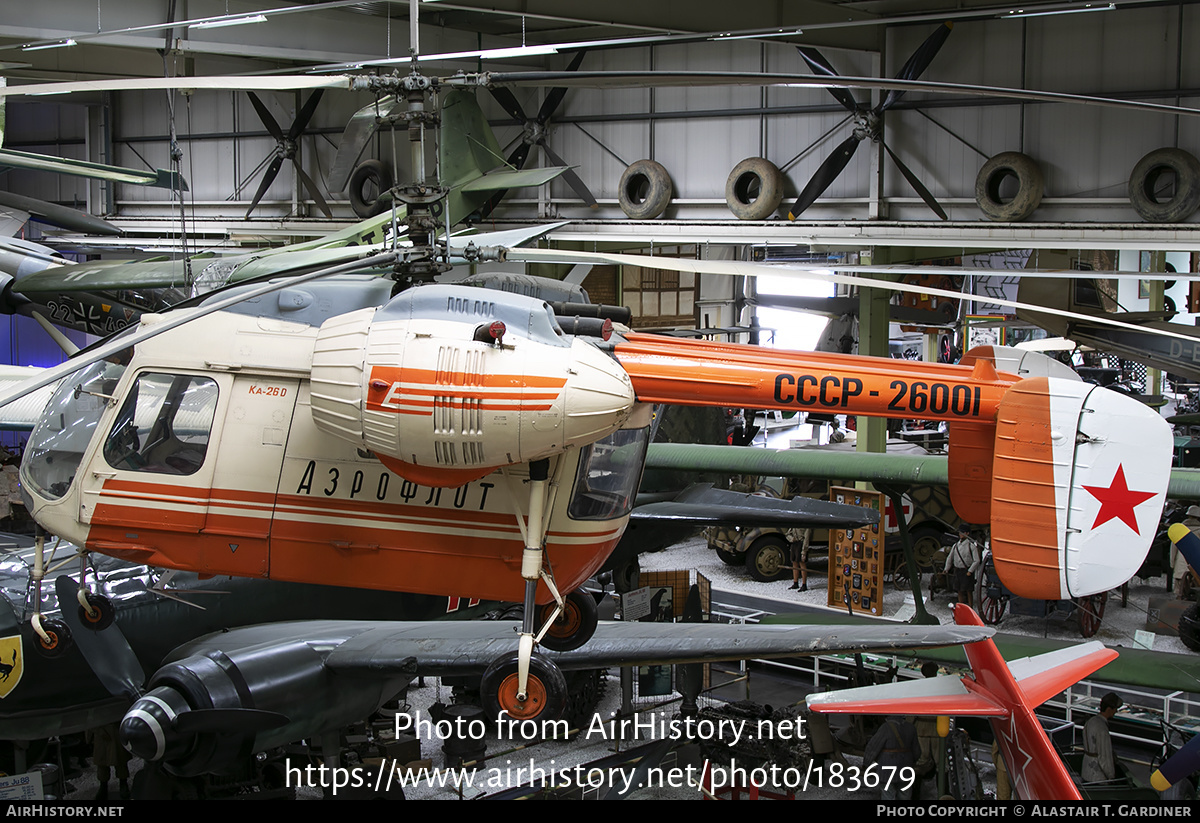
(446,439)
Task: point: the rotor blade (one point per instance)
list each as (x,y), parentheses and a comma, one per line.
(267,180)
(508,102)
(822,67)
(573,179)
(817,273)
(107,652)
(305,115)
(915,183)
(555,96)
(116,345)
(264,114)
(312,189)
(916,65)
(826,174)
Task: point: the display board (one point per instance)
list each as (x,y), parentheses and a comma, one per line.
(856,556)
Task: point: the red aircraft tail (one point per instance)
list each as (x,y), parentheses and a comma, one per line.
(1006,693)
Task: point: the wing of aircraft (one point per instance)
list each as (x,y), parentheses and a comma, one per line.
(702,504)
(302,670)
(1005,693)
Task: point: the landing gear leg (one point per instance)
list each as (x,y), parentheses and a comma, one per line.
(547,699)
(52,637)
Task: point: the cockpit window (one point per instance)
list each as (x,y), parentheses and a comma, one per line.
(609,471)
(57,444)
(164,425)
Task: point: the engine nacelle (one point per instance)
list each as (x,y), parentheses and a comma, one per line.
(207,712)
(425,384)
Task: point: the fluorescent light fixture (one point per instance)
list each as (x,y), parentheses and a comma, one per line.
(56,45)
(1014,13)
(757,35)
(222,22)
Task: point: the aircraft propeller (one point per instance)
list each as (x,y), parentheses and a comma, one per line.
(286,147)
(534,133)
(868,123)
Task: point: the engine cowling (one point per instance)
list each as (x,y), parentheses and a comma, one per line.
(446,383)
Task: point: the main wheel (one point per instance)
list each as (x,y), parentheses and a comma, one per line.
(1153,173)
(990,197)
(645,190)
(754,189)
(59,638)
(103,608)
(545,699)
(574,626)
(767,558)
(1091,612)
(369,180)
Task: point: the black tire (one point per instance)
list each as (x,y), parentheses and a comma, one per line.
(731,558)
(60,639)
(1145,178)
(369,180)
(547,691)
(754,189)
(1189,627)
(645,190)
(575,626)
(104,613)
(995,171)
(627,576)
(768,558)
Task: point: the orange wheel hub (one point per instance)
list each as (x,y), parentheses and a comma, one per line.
(527,709)
(569,622)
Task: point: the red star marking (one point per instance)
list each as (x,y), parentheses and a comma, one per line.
(1117,501)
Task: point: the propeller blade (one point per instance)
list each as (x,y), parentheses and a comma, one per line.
(306,113)
(268,179)
(264,114)
(508,102)
(819,65)
(573,180)
(916,65)
(556,94)
(917,185)
(311,187)
(107,652)
(825,175)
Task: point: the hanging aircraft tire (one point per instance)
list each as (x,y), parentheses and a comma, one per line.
(1149,172)
(103,609)
(369,180)
(59,639)
(574,627)
(1189,627)
(754,189)
(992,176)
(768,558)
(545,700)
(645,190)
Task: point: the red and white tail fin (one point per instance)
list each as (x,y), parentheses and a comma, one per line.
(1007,693)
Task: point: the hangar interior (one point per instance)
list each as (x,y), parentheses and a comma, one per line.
(1050,98)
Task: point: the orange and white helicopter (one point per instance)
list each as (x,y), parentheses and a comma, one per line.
(457,440)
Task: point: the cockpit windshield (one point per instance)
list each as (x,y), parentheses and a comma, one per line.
(609,471)
(59,440)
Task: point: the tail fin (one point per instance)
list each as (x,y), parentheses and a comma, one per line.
(1005,693)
